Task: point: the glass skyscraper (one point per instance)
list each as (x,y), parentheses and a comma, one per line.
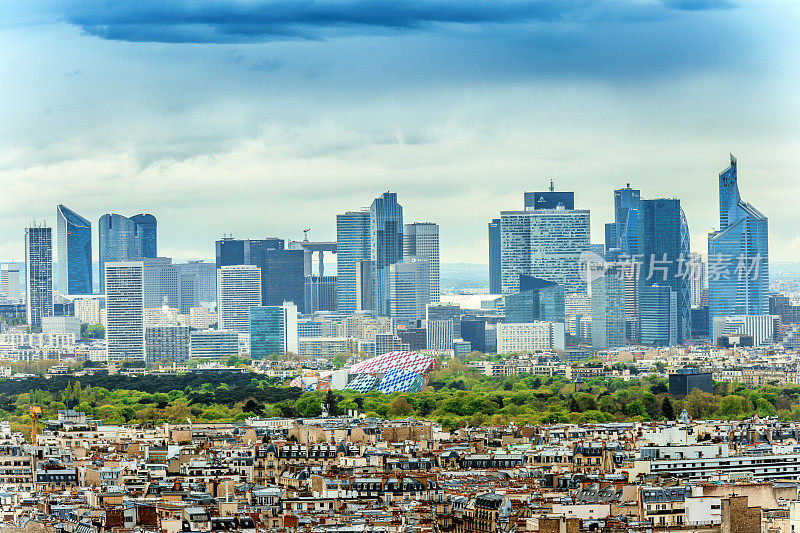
(352,248)
(608,308)
(664,247)
(421,239)
(537,299)
(386,246)
(738,255)
(273,330)
(622,234)
(125,239)
(74,245)
(545,244)
(146,234)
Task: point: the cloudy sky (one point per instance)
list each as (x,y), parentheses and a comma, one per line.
(263,117)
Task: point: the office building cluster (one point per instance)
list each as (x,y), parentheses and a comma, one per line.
(549,286)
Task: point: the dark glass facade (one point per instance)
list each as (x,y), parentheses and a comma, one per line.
(74,244)
(474,331)
(386,247)
(549,200)
(663,241)
(125,239)
(537,299)
(282,271)
(146,234)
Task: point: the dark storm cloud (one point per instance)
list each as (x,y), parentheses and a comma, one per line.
(239,21)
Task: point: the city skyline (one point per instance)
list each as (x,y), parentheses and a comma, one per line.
(655,94)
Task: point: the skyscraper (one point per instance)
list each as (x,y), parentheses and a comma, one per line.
(664,247)
(659,315)
(352,247)
(537,299)
(124,283)
(494,257)
(608,308)
(409,288)
(145,234)
(386,246)
(282,270)
(238,289)
(738,255)
(74,245)
(545,244)
(125,239)
(273,330)
(9,281)
(421,239)
(622,234)
(39,273)
(320,293)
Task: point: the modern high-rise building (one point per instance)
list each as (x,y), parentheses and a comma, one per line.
(545,244)
(39,273)
(238,289)
(146,234)
(530,337)
(124,283)
(622,234)
(409,288)
(439,334)
(273,330)
(699,282)
(125,239)
(206,277)
(213,343)
(738,255)
(352,248)
(608,308)
(495,285)
(386,246)
(665,255)
(9,281)
(474,330)
(550,199)
(445,311)
(658,315)
(421,239)
(537,299)
(320,293)
(282,270)
(74,245)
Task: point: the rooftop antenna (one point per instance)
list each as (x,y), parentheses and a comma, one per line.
(552,186)
(305,234)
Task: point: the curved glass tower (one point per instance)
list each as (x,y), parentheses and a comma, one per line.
(738,255)
(386,246)
(74,243)
(146,234)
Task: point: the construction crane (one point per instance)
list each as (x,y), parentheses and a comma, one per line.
(36,414)
(305,234)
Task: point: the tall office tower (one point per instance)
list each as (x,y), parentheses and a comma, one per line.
(282,271)
(238,289)
(386,246)
(125,239)
(421,239)
(630,277)
(608,308)
(124,283)
(39,273)
(161,283)
(320,294)
(622,234)
(9,281)
(445,311)
(206,277)
(664,247)
(738,255)
(699,281)
(409,288)
(352,250)
(74,245)
(545,244)
(273,330)
(189,292)
(537,299)
(145,234)
(659,315)
(494,257)
(473,329)
(364,286)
